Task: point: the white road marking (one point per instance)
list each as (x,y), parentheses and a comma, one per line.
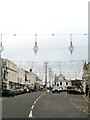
(30,115)
(39,97)
(34,102)
(37,100)
(32,107)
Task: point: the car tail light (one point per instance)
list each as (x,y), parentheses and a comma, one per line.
(79,91)
(18,91)
(10,91)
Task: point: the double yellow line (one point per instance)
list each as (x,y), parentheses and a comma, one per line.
(86,99)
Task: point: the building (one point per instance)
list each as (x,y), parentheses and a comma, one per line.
(30,78)
(9,71)
(77,83)
(15,77)
(20,77)
(61,81)
(86,76)
(39,83)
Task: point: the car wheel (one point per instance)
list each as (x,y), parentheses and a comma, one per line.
(8,95)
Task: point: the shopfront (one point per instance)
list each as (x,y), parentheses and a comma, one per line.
(12,85)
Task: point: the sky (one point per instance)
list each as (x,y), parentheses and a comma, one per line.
(25,18)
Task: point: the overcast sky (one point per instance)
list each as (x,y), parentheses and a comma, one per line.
(25,18)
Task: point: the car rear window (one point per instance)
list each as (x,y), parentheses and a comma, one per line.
(5,90)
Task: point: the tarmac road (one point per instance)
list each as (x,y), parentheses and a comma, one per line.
(45,105)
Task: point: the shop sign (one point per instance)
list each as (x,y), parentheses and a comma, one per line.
(5,79)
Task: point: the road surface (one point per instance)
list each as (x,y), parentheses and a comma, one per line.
(45,105)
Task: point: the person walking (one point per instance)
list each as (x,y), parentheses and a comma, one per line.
(87,88)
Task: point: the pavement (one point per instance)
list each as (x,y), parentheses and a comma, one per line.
(45,105)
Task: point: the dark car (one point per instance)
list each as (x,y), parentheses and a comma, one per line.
(69,88)
(79,91)
(75,90)
(8,92)
(17,91)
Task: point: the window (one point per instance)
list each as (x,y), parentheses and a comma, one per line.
(60,83)
(66,83)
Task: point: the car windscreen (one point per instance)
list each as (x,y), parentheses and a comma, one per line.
(71,87)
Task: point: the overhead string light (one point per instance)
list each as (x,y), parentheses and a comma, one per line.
(71,47)
(35,48)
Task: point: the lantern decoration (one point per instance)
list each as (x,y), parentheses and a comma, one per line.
(71,47)
(35,48)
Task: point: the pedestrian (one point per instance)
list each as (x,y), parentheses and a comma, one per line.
(87,88)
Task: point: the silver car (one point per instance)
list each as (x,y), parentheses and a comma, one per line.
(56,89)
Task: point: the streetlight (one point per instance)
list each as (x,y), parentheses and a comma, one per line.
(35,48)
(71,47)
(1,49)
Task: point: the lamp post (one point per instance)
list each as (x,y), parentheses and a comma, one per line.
(1,49)
(50,77)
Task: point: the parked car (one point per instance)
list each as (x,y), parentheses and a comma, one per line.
(17,91)
(31,88)
(61,89)
(79,91)
(21,90)
(64,89)
(56,89)
(8,92)
(27,90)
(75,90)
(69,88)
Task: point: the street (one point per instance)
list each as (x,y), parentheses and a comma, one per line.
(45,105)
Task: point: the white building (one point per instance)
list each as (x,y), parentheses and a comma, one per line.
(61,81)
(9,74)
(20,77)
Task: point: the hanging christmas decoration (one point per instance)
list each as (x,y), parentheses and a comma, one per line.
(71,47)
(35,48)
